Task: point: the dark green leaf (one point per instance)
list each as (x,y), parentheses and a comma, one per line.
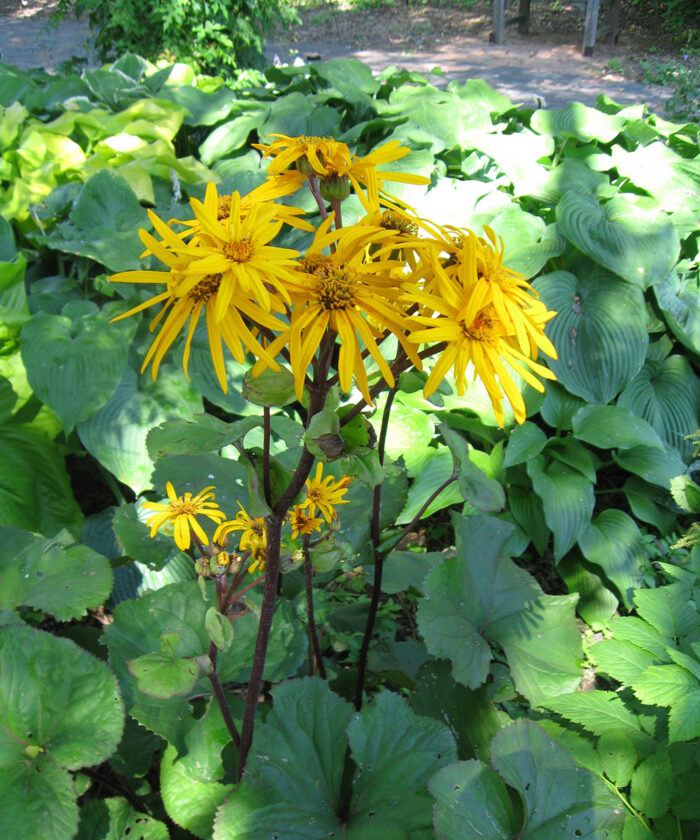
(652,785)
(481,492)
(678,296)
(115,819)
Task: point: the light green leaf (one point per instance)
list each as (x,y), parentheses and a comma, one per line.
(481,492)
(664,685)
(529,242)
(614,543)
(619,756)
(684,718)
(678,296)
(668,609)
(600,333)
(524,443)
(652,785)
(409,435)
(41,573)
(579,121)
(204,434)
(435,470)
(622,660)
(640,246)
(597,711)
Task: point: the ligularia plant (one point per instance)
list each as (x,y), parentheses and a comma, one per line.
(362,305)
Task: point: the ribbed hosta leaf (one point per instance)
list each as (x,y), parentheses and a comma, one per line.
(600,331)
(529,242)
(579,121)
(640,246)
(678,296)
(666,394)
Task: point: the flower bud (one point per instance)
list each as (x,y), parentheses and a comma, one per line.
(334,188)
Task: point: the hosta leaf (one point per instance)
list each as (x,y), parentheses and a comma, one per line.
(579,121)
(649,503)
(526,508)
(116,434)
(35,490)
(600,331)
(529,242)
(76,360)
(611,426)
(640,246)
(409,436)
(596,602)
(567,498)
(655,464)
(678,296)
(204,434)
(114,819)
(666,394)
(532,763)
(559,405)
(614,543)
(525,442)
(657,169)
(41,573)
(59,710)
(481,596)
(652,785)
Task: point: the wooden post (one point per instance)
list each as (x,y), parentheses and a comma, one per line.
(524,16)
(590,27)
(499,22)
(614,21)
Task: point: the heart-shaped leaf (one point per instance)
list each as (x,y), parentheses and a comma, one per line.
(640,246)
(600,331)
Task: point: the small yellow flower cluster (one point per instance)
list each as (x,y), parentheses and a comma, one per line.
(179,517)
(437,290)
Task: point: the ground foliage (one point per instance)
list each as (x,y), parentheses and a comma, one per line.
(475,667)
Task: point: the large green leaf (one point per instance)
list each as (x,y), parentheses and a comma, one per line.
(678,296)
(529,761)
(41,573)
(640,246)
(600,331)
(480,596)
(614,543)
(409,435)
(655,464)
(75,361)
(35,490)
(613,427)
(180,610)
(480,491)
(116,434)
(666,394)
(293,781)
(103,224)
(567,498)
(529,242)
(60,710)
(579,121)
(437,468)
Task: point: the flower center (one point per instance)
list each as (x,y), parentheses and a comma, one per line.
(336,290)
(238,251)
(393,221)
(206,288)
(480,329)
(317,264)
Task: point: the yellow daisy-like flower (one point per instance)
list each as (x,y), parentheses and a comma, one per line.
(302,522)
(324,494)
(229,272)
(254,533)
(333,163)
(258,559)
(180,515)
(353,293)
(480,335)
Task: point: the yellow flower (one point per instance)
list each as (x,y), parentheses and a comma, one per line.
(484,334)
(355,295)
(324,494)
(258,559)
(302,522)
(229,272)
(332,162)
(254,533)
(179,515)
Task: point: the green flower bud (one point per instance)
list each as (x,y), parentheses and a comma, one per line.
(334,188)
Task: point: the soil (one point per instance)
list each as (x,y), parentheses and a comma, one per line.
(336,27)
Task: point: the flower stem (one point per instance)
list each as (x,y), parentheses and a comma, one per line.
(378,557)
(315,653)
(266,455)
(272,569)
(221,698)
